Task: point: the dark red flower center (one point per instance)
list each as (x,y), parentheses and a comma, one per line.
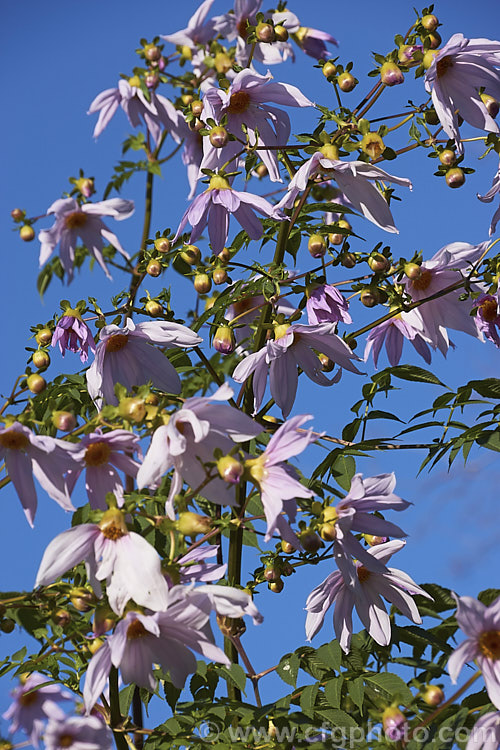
(27,699)
(238,103)
(75,219)
(443,65)
(97,454)
(242,28)
(489,310)
(363,573)
(66,740)
(136,630)
(423,280)
(489,644)
(117,342)
(14,440)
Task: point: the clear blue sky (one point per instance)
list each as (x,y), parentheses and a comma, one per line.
(57,57)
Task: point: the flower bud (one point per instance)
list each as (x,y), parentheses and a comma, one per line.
(265,32)
(378,262)
(64,420)
(162,63)
(330,151)
(394,723)
(43,336)
(224,340)
(197,107)
(152,52)
(162,244)
(222,62)
(348,260)
(41,359)
(27,233)
(434,39)
(429,22)
(225,255)
(455,177)
(82,599)
(310,541)
(36,383)
(95,644)
(432,695)
(413,271)
(373,145)
(104,619)
(271,573)
(202,283)
(280,33)
(370,297)
(86,186)
(373,541)
(491,104)
(337,238)
(218,137)
(407,51)
(287,548)
(18,214)
(154,268)
(190,524)
(326,363)
(132,408)
(62,618)
(431,117)
(7,625)
(135,81)
(151,79)
(317,245)
(428,59)
(230,469)
(153,308)
(276,586)
(447,157)
(391,74)
(231,625)
(219,276)
(346,82)
(329,69)
(186,52)
(190,254)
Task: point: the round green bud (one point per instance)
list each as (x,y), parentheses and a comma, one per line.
(491,104)
(435,40)
(18,214)
(346,82)
(276,586)
(455,177)
(429,22)
(310,541)
(7,625)
(41,359)
(162,244)
(43,336)
(218,136)
(280,33)
(413,271)
(219,276)
(154,268)
(287,548)
(64,420)
(378,262)
(190,254)
(27,233)
(265,32)
(373,145)
(230,469)
(132,408)
(317,245)
(391,74)
(431,117)
(348,260)
(82,599)
(370,297)
(428,58)
(329,69)
(152,52)
(447,157)
(432,695)
(36,383)
(197,107)
(191,524)
(202,283)
(153,308)
(224,340)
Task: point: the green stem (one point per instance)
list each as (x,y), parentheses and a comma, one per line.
(138,277)
(138,718)
(115,713)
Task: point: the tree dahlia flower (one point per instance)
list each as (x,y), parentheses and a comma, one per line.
(35,702)
(488,197)
(392,333)
(73,334)
(78,733)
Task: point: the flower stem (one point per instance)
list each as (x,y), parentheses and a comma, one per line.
(114,704)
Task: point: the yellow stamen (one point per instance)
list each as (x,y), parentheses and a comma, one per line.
(238,103)
(97,454)
(116,342)
(14,440)
(489,644)
(75,220)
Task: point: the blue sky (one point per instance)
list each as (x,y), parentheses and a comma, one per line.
(57,57)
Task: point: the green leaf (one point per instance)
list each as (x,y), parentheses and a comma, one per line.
(308,698)
(489,439)
(288,668)
(414,373)
(336,717)
(356,690)
(389,686)
(487,597)
(331,655)
(333,691)
(489,387)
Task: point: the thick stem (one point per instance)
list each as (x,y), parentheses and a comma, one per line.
(115,713)
(138,718)
(138,277)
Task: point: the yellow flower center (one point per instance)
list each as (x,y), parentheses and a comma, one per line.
(116,342)
(135,81)
(330,151)
(423,280)
(238,103)
(489,644)
(489,310)
(14,440)
(66,740)
(280,330)
(218,182)
(113,525)
(97,454)
(443,65)
(363,573)
(75,219)
(136,630)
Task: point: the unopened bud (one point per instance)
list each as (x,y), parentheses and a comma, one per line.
(447,157)
(491,104)
(219,276)
(373,541)
(430,116)
(326,363)
(132,408)
(64,420)
(455,177)
(197,107)
(391,74)
(218,136)
(413,271)
(378,262)
(18,214)
(330,151)
(153,308)
(230,469)
(337,238)
(151,79)
(346,82)
(43,336)
(27,233)
(287,547)
(348,260)
(329,69)
(95,644)
(202,283)
(225,255)
(271,573)
(36,383)
(428,59)
(394,723)
(407,51)
(317,245)
(7,625)
(370,297)
(222,62)
(62,618)
(86,186)
(265,32)
(276,586)
(191,524)
(190,254)
(41,359)
(82,599)
(310,541)
(104,620)
(152,52)
(429,22)
(154,268)
(162,244)
(186,52)
(434,40)
(280,33)
(231,625)
(433,695)
(373,145)
(224,340)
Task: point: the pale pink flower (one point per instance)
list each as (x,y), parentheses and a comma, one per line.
(488,317)
(326,304)
(198,31)
(35,702)
(392,333)
(78,733)
(485,734)
(128,563)
(481,625)
(72,333)
(488,197)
